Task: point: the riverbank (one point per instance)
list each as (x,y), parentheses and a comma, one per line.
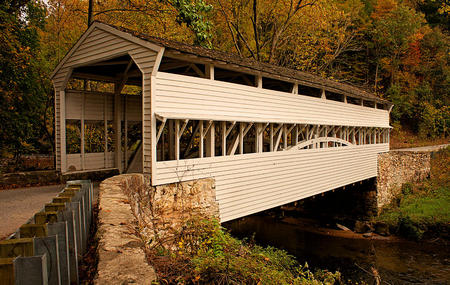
(422,210)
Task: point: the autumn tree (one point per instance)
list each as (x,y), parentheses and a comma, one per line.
(23,83)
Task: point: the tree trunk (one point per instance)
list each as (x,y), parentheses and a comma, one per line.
(376,78)
(90,19)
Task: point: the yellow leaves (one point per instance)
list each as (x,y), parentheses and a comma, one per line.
(383,7)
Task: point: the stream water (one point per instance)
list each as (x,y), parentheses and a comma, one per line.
(397,261)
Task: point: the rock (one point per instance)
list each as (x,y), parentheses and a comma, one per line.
(382,228)
(363,227)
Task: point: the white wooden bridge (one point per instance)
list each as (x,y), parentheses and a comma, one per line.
(267,134)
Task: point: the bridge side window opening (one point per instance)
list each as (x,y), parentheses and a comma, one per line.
(182,67)
(73,136)
(334,96)
(309,91)
(236,77)
(180,139)
(277,85)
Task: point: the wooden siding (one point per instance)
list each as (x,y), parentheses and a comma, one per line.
(147,125)
(134,108)
(208,98)
(99,44)
(92,161)
(95,103)
(249,183)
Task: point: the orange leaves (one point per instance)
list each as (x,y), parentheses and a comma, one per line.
(383,8)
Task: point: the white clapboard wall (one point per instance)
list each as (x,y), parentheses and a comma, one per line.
(204,98)
(249,183)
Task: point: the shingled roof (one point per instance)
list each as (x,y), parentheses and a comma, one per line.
(301,77)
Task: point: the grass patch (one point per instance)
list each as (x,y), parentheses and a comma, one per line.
(424,208)
(205,253)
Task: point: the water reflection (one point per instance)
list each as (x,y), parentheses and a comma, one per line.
(398,262)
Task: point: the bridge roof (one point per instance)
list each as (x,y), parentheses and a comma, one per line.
(301,77)
(251,66)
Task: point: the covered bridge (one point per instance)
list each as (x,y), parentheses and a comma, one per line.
(267,134)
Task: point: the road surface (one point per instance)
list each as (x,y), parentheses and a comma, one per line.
(19,205)
(424,148)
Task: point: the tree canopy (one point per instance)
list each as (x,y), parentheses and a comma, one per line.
(398,49)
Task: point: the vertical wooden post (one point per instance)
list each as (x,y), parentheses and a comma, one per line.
(105,126)
(125,147)
(118,128)
(285,136)
(62,130)
(271,137)
(241,138)
(257,129)
(171,127)
(82,139)
(334,135)
(177,139)
(200,143)
(163,146)
(296,135)
(295,88)
(209,71)
(323,96)
(307,135)
(224,138)
(316,135)
(210,140)
(259,81)
(259,136)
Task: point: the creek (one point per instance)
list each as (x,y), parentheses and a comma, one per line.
(397,261)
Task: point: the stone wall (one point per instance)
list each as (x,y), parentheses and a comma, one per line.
(121,259)
(133,215)
(396,168)
(162,210)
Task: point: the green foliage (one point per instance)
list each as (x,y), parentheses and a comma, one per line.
(403,104)
(207,254)
(435,121)
(193,13)
(23,85)
(423,206)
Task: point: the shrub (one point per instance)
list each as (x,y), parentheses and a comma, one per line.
(407,188)
(204,253)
